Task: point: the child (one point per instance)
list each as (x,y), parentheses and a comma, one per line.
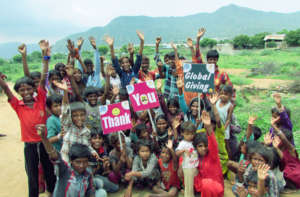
(209,180)
(144,171)
(80,79)
(126,73)
(189,160)
(144,73)
(121,160)
(172,110)
(54,132)
(163,133)
(73,122)
(74,179)
(53,75)
(168,165)
(32,111)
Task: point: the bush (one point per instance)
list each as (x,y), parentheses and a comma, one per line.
(2,62)
(17,58)
(207,42)
(257,41)
(103,49)
(59,56)
(241,42)
(35,56)
(293,38)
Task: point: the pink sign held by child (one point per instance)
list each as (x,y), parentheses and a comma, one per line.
(115,117)
(143,95)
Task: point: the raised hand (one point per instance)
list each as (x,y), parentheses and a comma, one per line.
(130,48)
(170,132)
(206,118)
(179,83)
(242,192)
(169,144)
(189,42)
(276,142)
(251,120)
(109,41)
(213,98)
(140,35)
(176,122)
(22,49)
(201,32)
(96,156)
(277,98)
(71,48)
(158,40)
(93,42)
(62,86)
(274,121)
(262,171)
(268,138)
(173,46)
(116,90)
(45,47)
(80,42)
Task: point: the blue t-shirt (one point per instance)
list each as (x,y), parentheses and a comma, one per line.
(53,129)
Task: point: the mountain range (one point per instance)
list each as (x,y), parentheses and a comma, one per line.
(224,23)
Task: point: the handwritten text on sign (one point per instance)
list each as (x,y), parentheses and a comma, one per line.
(143,95)
(199,77)
(115,117)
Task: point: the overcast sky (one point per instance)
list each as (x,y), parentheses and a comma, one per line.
(28,20)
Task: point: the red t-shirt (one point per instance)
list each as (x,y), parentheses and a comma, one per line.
(169,175)
(209,167)
(30,117)
(144,77)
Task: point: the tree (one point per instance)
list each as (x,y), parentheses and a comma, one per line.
(293,38)
(2,61)
(103,49)
(17,58)
(35,56)
(241,42)
(207,42)
(123,49)
(257,41)
(59,56)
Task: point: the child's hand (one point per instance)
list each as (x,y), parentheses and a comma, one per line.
(140,35)
(96,156)
(160,64)
(176,122)
(158,84)
(41,129)
(242,192)
(170,144)
(242,168)
(262,171)
(130,48)
(276,142)
(116,90)
(158,40)
(200,33)
(45,47)
(128,176)
(179,83)
(71,48)
(22,49)
(109,41)
(274,121)
(206,118)
(173,46)
(80,42)
(213,98)
(63,86)
(189,42)
(251,120)
(93,42)
(268,138)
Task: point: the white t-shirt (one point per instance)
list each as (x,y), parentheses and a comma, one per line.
(188,162)
(115,81)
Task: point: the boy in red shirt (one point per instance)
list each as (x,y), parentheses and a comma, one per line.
(31,112)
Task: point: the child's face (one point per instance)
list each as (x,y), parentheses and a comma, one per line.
(275,115)
(202,149)
(56,109)
(80,164)
(143,116)
(166,60)
(92,99)
(161,125)
(172,109)
(78,118)
(36,81)
(225,96)
(125,64)
(172,62)
(212,60)
(257,159)
(62,71)
(113,71)
(54,78)
(145,65)
(90,68)
(165,155)
(97,141)
(144,134)
(252,189)
(188,135)
(244,148)
(117,145)
(26,92)
(144,153)
(77,75)
(194,108)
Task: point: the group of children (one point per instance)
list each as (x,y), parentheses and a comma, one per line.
(191,147)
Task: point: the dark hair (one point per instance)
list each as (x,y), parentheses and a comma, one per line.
(139,128)
(275,110)
(188,126)
(88,62)
(172,55)
(113,139)
(145,58)
(166,56)
(90,90)
(122,58)
(79,151)
(95,132)
(59,65)
(174,102)
(23,80)
(252,177)
(200,138)
(256,132)
(182,58)
(227,89)
(288,134)
(161,116)
(262,151)
(275,159)
(144,142)
(212,54)
(55,98)
(77,106)
(53,73)
(35,74)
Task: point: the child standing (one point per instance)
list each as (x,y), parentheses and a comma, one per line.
(190,159)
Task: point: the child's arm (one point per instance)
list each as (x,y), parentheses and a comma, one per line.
(138,60)
(102,58)
(128,192)
(22,50)
(262,174)
(182,102)
(276,142)
(106,89)
(200,33)
(141,37)
(229,116)
(130,50)
(97,56)
(115,61)
(190,44)
(207,122)
(213,100)
(175,51)
(46,53)
(173,154)
(116,92)
(48,146)
(251,121)
(5,87)
(284,118)
(70,71)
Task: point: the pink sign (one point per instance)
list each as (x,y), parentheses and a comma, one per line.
(115,117)
(143,95)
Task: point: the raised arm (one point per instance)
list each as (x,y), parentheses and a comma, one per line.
(41,130)
(182,102)
(200,34)
(262,174)
(110,42)
(102,59)
(175,51)
(213,100)
(23,51)
(173,154)
(80,42)
(96,54)
(190,44)
(141,37)
(130,50)
(70,71)
(251,121)
(5,87)
(207,122)
(46,53)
